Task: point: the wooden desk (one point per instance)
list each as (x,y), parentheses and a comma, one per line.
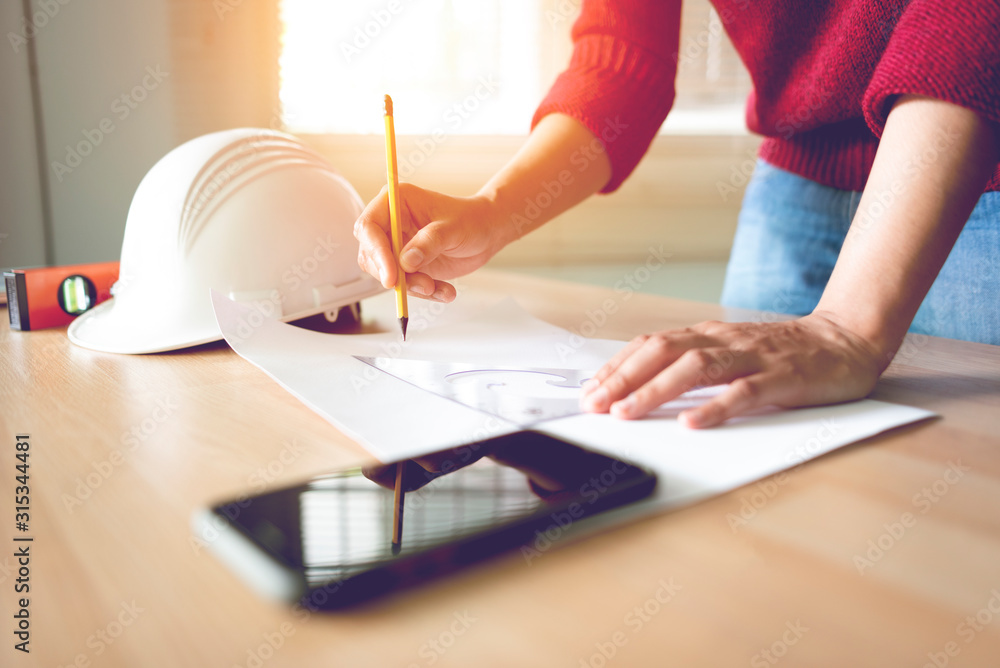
(194,426)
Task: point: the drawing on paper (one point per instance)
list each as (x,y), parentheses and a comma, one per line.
(524,396)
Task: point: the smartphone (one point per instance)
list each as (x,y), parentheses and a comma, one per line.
(339,539)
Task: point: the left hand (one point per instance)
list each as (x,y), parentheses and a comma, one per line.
(805,362)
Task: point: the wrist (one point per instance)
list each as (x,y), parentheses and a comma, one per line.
(496,212)
(873,335)
(490,215)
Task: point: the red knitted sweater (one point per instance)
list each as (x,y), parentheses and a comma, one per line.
(825,74)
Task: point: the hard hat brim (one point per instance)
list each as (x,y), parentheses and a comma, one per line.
(104,329)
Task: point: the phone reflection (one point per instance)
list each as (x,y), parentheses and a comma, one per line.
(461,505)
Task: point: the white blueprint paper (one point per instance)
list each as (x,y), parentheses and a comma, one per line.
(394,419)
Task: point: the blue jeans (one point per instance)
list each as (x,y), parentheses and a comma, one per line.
(789,236)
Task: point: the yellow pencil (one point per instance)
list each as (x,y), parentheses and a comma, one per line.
(397,232)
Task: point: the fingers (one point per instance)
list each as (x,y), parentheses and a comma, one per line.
(691,370)
(613,364)
(652,370)
(425,287)
(428,244)
(429,239)
(742,395)
(805,362)
(446,461)
(636,364)
(420,285)
(377,212)
(374,247)
(383,475)
(415,475)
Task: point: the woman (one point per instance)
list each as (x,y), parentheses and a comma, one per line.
(899,100)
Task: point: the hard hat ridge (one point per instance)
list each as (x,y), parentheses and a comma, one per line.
(237,166)
(251,213)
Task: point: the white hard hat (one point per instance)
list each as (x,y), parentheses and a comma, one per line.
(253,214)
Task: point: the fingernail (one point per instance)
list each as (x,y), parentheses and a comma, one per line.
(589,386)
(411,259)
(420,290)
(596,400)
(623,408)
(690,419)
(439,295)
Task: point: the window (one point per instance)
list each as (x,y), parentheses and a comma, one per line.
(471,66)
(712,83)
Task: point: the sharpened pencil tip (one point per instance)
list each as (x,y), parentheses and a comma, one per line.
(396,547)
(402,326)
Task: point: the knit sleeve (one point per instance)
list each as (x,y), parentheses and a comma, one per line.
(620,80)
(948,50)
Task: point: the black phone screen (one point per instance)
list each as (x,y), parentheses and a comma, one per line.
(335,533)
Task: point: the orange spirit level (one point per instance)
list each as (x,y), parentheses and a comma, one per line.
(53,296)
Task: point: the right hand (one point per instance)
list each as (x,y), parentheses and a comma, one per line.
(443,237)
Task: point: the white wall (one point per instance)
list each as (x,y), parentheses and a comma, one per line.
(22,233)
(89,55)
